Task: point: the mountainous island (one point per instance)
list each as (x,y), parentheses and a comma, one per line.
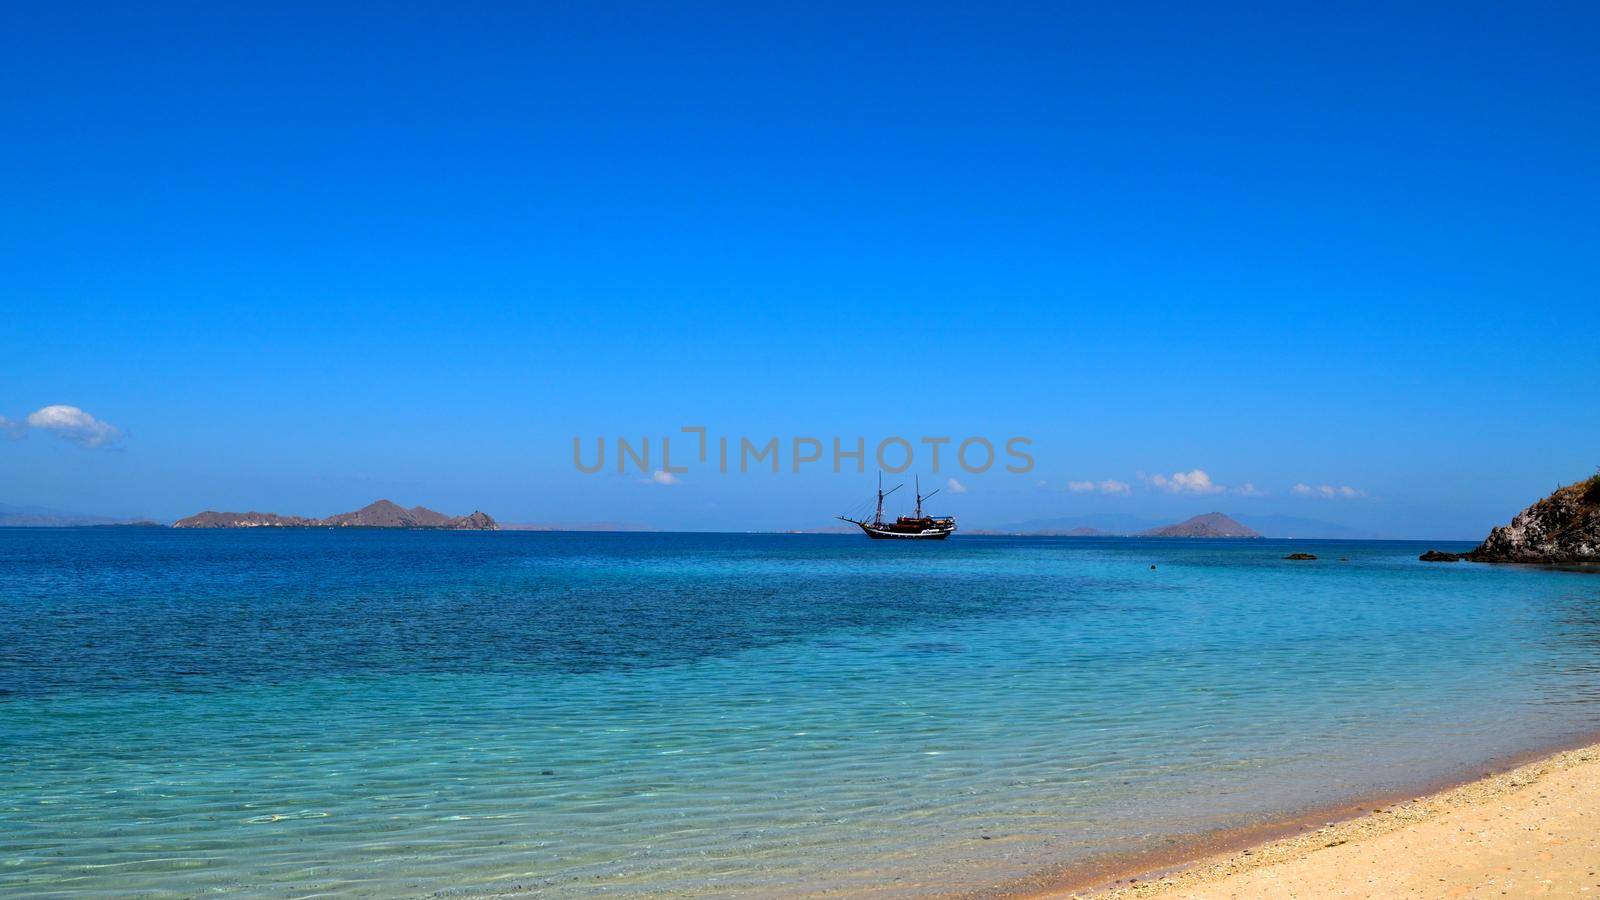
(382,514)
(1210,525)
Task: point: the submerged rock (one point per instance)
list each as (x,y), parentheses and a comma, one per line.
(1301,556)
(1562,528)
(1439,556)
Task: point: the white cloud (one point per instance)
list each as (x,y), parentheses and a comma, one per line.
(662,476)
(1109,486)
(73,424)
(1195,481)
(1327,491)
(1249,490)
(955,487)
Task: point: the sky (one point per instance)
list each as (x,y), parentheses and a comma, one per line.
(1256,258)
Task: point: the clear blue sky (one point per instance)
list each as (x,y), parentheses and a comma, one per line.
(304,256)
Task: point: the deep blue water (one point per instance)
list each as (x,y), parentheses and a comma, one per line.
(281,713)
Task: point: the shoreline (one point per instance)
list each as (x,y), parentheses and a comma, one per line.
(1205,861)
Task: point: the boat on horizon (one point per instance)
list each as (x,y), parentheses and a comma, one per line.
(915,527)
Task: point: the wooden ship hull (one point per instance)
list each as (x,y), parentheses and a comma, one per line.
(897,532)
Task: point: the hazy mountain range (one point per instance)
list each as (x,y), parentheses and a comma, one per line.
(574,526)
(1120,524)
(44,517)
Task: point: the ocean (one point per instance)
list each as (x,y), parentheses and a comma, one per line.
(286,713)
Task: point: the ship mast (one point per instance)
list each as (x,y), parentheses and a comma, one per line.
(921,498)
(877,518)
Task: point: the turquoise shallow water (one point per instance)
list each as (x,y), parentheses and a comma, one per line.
(383,713)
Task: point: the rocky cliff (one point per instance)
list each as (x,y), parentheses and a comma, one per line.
(382,514)
(1562,528)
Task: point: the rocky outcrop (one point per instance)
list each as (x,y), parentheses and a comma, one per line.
(1562,528)
(477,521)
(1440,556)
(1301,556)
(1210,525)
(382,514)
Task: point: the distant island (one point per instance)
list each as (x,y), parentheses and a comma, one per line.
(382,514)
(43,517)
(1123,525)
(1210,525)
(574,526)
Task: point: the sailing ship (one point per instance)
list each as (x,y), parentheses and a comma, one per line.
(915,527)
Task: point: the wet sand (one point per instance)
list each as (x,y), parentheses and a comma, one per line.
(1531,831)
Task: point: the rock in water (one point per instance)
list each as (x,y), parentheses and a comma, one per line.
(1439,556)
(1562,528)
(1301,556)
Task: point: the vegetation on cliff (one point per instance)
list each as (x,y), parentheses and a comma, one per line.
(1562,528)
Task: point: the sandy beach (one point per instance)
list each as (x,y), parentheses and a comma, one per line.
(1531,831)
